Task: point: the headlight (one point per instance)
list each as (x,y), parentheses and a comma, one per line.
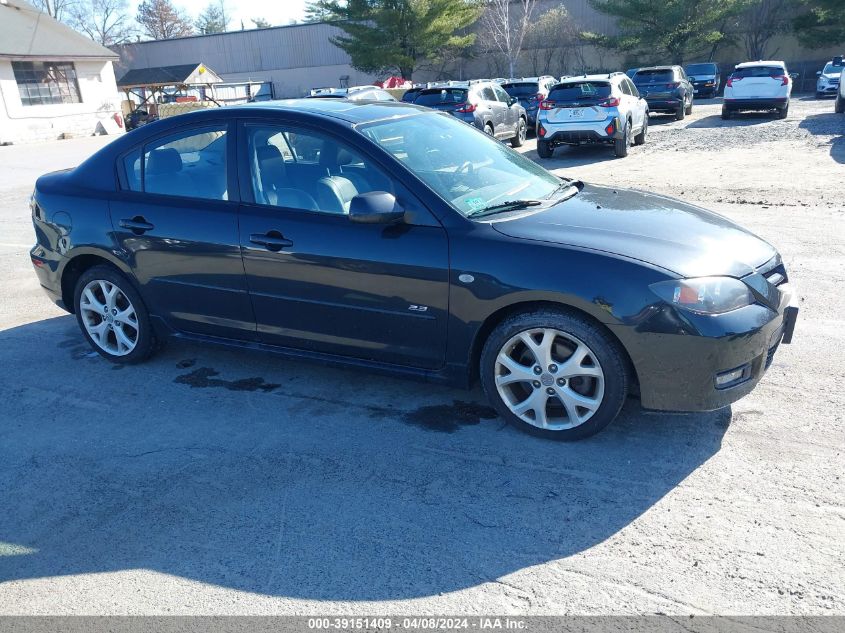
(705,295)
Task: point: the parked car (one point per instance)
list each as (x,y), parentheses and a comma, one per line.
(706,79)
(355,93)
(412,245)
(631,72)
(758,86)
(411,93)
(530,92)
(840,96)
(666,89)
(592,109)
(483,104)
(827,84)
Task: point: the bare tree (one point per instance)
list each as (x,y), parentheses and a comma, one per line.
(763,20)
(507,22)
(161,20)
(57,9)
(106,22)
(550,41)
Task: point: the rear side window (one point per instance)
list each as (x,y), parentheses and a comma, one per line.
(666,75)
(586,91)
(487,94)
(760,71)
(441,96)
(190,164)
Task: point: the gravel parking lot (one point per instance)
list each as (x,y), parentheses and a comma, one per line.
(211,481)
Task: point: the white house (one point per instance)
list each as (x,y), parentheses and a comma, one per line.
(54,82)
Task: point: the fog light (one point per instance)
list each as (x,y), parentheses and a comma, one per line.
(733,377)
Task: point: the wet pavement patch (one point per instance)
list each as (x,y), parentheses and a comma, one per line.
(205,377)
(448,418)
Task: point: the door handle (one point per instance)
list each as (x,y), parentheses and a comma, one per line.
(137,225)
(272,240)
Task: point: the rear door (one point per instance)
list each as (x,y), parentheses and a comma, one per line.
(491,103)
(177,224)
(510,113)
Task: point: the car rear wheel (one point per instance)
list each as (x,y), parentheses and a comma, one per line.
(639,139)
(544,149)
(521,133)
(726,113)
(488,129)
(621,145)
(681,112)
(840,105)
(782,113)
(112,316)
(554,374)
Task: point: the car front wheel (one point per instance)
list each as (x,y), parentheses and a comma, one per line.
(554,374)
(639,139)
(840,105)
(112,316)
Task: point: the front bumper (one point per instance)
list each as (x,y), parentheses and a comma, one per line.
(677,355)
(827,89)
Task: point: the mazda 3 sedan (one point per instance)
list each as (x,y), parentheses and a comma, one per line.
(394,238)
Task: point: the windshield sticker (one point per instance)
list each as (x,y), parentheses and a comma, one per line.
(475,203)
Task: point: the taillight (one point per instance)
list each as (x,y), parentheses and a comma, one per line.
(784,79)
(465,107)
(118,119)
(536,97)
(731,81)
(612,102)
(547,105)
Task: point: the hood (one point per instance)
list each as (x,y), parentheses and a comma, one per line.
(678,237)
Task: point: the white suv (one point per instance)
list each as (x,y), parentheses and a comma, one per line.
(763,85)
(592,109)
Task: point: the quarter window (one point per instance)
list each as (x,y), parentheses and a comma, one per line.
(299,169)
(45,83)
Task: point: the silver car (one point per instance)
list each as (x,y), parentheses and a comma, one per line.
(592,109)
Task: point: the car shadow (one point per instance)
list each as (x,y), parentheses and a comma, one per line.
(828,124)
(275,477)
(738,119)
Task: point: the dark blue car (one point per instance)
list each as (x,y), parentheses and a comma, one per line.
(392,238)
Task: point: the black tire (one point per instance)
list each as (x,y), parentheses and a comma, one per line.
(689,108)
(607,352)
(521,134)
(782,113)
(488,129)
(639,139)
(544,149)
(146,343)
(681,113)
(621,145)
(726,113)
(839,108)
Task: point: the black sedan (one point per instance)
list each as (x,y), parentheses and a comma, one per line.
(392,238)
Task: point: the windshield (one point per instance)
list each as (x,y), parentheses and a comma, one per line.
(658,76)
(410,95)
(584,92)
(830,69)
(467,168)
(444,95)
(701,69)
(521,89)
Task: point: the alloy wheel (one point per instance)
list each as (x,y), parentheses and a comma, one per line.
(549,379)
(109,317)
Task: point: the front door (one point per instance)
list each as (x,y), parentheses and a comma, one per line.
(179,231)
(321,283)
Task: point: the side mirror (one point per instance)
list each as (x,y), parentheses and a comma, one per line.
(795,75)
(818,73)
(513,100)
(375,207)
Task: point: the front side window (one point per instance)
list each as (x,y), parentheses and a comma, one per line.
(45,83)
(501,95)
(302,169)
(467,168)
(189,164)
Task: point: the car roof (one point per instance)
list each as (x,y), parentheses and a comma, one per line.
(669,67)
(602,77)
(770,62)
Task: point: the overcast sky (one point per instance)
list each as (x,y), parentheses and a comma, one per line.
(276,12)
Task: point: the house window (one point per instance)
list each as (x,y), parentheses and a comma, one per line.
(41,83)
